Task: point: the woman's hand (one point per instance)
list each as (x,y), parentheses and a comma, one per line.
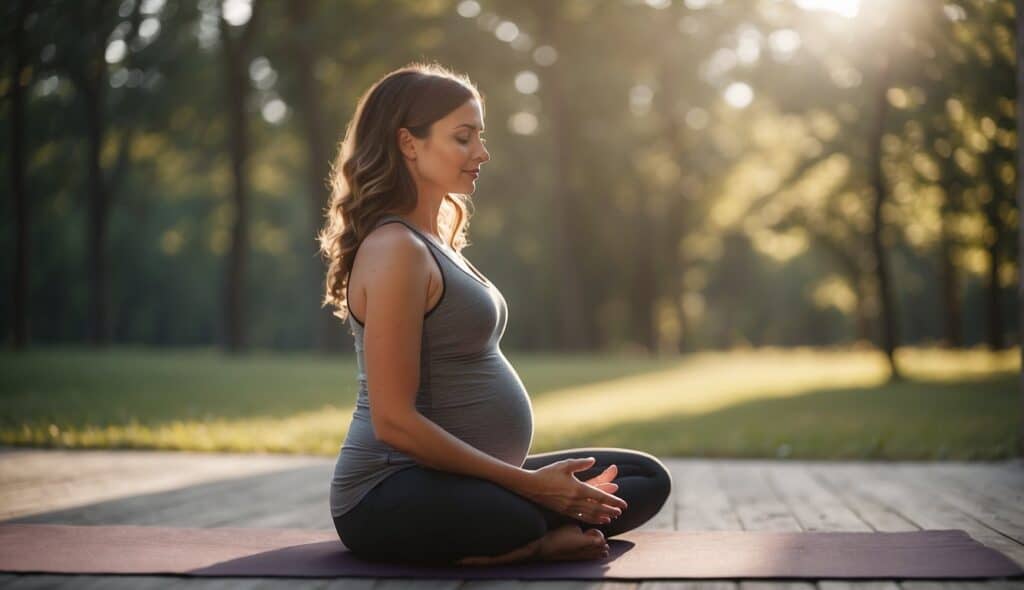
(604,479)
(554,486)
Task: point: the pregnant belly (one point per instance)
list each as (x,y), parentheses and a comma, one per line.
(487,406)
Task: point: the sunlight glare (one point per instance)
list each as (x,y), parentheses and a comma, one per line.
(468,9)
(748,48)
(237,12)
(784,43)
(739,95)
(527,82)
(844,8)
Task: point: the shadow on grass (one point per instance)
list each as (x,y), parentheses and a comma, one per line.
(911,420)
(80,388)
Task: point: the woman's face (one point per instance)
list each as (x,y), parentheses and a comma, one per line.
(449,159)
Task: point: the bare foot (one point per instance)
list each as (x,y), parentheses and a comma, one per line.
(565,543)
(571,543)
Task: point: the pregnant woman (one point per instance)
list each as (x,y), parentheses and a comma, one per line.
(435,467)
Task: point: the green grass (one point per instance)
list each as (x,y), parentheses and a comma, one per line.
(796,403)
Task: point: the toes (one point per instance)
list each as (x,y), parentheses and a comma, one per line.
(597,535)
(591,553)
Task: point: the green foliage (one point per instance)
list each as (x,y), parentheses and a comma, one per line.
(750,222)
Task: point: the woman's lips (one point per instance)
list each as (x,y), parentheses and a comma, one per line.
(473,173)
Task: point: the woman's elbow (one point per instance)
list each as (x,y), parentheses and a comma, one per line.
(392,429)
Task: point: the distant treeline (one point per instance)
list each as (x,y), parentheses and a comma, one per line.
(666,176)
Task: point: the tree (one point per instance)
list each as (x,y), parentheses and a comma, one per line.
(303,50)
(235,51)
(890,336)
(82,57)
(20,77)
(573,330)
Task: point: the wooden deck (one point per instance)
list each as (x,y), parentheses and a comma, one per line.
(185,489)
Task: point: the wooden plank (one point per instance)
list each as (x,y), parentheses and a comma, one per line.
(815,507)
(877,515)
(701,504)
(989,479)
(1011,472)
(753,500)
(925,511)
(38,480)
(983,481)
(305,490)
(1005,519)
(351,584)
(857,585)
(707,495)
(83,582)
(763,585)
(690,585)
(961,585)
(200,506)
(404,583)
(558,585)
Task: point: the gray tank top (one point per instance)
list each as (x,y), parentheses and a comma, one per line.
(467,386)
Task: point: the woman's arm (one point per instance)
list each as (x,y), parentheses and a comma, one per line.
(396,293)
(435,447)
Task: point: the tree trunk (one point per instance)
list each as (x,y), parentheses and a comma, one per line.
(861,317)
(951,300)
(325,325)
(673,228)
(573,333)
(94,94)
(235,52)
(19,191)
(996,341)
(642,284)
(890,338)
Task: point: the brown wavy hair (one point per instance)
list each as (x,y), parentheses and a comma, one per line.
(369,178)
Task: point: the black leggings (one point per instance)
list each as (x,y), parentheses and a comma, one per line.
(426,516)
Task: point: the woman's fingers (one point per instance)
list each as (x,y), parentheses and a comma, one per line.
(605,476)
(590,516)
(602,497)
(608,474)
(597,511)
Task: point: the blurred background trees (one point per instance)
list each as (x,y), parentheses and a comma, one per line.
(666,176)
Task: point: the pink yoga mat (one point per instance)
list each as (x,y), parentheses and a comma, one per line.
(637,555)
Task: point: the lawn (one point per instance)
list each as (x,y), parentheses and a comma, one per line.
(786,403)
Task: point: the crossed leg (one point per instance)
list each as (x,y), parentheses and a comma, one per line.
(424,515)
(644,482)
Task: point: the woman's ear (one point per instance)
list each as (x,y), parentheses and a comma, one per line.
(406,143)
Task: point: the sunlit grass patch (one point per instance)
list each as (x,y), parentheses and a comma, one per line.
(710,381)
(770,402)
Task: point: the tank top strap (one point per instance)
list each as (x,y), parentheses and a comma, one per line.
(442,254)
(414,229)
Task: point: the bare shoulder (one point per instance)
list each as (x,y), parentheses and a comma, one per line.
(392,240)
(391,251)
